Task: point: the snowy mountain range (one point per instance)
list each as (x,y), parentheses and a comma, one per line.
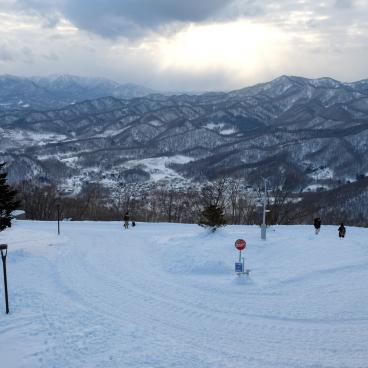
(56,91)
(315,129)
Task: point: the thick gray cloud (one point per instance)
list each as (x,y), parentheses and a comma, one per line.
(129,18)
(135,18)
(132,17)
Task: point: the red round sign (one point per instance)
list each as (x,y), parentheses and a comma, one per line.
(240,244)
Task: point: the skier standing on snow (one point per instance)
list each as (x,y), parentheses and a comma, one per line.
(342,231)
(126,219)
(317,224)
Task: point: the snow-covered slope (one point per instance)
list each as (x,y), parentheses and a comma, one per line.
(165,295)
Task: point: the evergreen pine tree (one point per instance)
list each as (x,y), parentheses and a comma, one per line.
(8,203)
(213,217)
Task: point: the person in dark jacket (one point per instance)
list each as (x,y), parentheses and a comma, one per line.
(342,231)
(317,224)
(126,219)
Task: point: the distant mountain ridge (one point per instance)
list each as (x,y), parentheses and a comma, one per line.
(314,129)
(42,93)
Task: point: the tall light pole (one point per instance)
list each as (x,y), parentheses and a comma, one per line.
(58,216)
(264,226)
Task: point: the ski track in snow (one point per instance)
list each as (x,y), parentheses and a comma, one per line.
(165,295)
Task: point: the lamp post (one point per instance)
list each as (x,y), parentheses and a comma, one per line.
(58,216)
(264,226)
(59,209)
(4,252)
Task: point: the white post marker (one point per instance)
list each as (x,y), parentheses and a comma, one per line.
(240,245)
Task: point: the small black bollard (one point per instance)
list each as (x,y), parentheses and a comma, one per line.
(4,252)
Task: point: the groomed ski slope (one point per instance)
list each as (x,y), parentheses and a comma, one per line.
(165,295)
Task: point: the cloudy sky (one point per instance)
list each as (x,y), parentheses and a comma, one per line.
(185,44)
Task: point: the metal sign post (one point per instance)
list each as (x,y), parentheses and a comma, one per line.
(4,252)
(240,245)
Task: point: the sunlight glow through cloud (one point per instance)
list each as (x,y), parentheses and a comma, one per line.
(238,45)
(238,50)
